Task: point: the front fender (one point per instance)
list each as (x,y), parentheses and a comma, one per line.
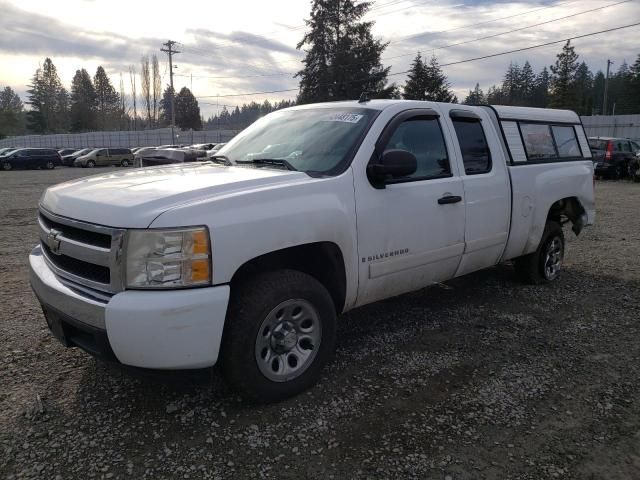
(248,224)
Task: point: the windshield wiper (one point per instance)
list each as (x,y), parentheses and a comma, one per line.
(221,159)
(279,162)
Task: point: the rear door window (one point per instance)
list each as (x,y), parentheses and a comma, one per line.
(538,141)
(476,155)
(622,146)
(566,141)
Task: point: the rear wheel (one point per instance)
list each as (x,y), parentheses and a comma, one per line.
(543,265)
(7,166)
(634,171)
(124,163)
(279,334)
(91,164)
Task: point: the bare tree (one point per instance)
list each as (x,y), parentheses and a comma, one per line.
(123,105)
(134,94)
(157,89)
(146,87)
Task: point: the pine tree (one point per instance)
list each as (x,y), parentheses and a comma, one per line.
(495,96)
(11,113)
(187,110)
(634,85)
(342,58)
(527,85)
(428,82)
(165,107)
(541,89)
(563,78)
(583,90)
(83,102)
(107,100)
(416,87)
(597,93)
(511,84)
(475,97)
(45,93)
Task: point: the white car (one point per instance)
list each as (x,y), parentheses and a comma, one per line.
(247,260)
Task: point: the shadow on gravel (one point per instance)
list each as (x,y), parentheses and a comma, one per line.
(439,319)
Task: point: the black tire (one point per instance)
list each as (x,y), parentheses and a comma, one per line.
(90,164)
(124,163)
(6,166)
(50,165)
(633,171)
(532,268)
(251,304)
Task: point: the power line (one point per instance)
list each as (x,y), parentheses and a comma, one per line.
(443,46)
(613,29)
(281,73)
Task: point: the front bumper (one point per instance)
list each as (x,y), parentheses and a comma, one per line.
(162,329)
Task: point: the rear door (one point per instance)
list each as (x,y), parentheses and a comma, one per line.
(411,232)
(483,169)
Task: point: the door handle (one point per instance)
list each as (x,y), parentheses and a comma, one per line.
(449,199)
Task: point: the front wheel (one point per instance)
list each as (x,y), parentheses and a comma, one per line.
(124,163)
(279,333)
(543,265)
(91,164)
(50,165)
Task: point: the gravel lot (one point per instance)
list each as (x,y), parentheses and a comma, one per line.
(480,378)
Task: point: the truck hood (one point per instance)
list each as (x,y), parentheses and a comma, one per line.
(134,198)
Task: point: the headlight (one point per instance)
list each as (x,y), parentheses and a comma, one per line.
(168,258)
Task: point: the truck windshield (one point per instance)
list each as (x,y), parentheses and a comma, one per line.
(315,140)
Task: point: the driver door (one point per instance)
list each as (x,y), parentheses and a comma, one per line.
(411,232)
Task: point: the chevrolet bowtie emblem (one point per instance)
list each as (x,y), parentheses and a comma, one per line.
(53,242)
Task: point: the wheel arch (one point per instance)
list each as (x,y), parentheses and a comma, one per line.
(322,260)
(568,209)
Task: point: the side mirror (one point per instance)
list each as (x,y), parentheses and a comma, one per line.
(392,164)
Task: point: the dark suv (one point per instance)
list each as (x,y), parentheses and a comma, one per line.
(31,158)
(614,157)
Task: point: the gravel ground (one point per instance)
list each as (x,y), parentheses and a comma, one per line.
(480,378)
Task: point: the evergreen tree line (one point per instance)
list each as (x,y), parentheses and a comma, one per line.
(92,103)
(569,83)
(241,116)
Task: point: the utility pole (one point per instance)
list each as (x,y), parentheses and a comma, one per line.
(606,88)
(170,51)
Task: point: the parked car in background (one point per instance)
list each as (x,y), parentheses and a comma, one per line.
(214,150)
(613,157)
(6,150)
(67,160)
(634,168)
(31,158)
(67,151)
(105,156)
(167,156)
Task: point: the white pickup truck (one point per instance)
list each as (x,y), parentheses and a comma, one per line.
(247,259)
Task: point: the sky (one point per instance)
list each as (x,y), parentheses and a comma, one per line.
(232,48)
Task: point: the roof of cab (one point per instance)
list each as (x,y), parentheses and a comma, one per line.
(536,114)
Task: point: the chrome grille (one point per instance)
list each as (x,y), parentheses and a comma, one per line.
(86,254)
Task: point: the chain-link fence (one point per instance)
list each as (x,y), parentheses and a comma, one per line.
(126,139)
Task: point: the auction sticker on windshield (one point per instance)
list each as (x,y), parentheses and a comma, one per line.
(345,117)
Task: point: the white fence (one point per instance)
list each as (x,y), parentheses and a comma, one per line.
(603,126)
(627,126)
(126,139)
